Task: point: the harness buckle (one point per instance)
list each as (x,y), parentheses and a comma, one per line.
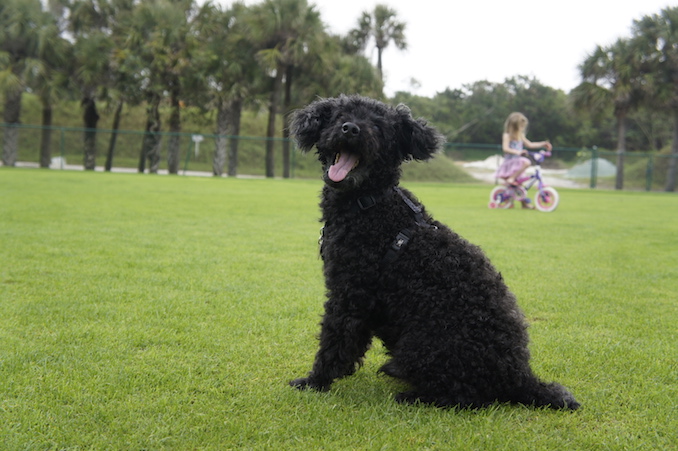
(401,240)
(366,202)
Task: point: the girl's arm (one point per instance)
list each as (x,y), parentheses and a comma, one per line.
(537,145)
(505,140)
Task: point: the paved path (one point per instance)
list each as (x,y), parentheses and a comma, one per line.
(477,169)
(484,171)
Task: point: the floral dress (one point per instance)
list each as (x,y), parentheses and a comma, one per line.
(512,163)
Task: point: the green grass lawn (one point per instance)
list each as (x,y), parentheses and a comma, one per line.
(157,312)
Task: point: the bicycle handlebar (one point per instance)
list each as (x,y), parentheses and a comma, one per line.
(538,157)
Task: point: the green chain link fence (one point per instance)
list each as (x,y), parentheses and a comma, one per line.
(584,167)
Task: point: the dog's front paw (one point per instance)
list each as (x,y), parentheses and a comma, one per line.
(306,383)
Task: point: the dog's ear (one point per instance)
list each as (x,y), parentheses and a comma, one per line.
(418,140)
(308,123)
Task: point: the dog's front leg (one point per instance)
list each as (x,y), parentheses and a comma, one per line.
(343,342)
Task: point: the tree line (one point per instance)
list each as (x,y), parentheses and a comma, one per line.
(277,55)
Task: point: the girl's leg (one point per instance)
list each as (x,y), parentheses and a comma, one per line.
(512,178)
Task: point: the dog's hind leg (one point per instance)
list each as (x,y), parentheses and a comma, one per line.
(391,369)
(541,394)
(343,343)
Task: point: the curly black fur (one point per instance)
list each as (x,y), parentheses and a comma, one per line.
(452,327)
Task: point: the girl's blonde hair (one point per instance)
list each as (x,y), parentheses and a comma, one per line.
(515,126)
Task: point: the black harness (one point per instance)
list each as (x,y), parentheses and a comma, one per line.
(405,235)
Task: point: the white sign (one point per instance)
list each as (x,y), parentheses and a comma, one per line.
(197,139)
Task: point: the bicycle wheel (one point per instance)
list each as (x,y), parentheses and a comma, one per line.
(500,197)
(547,199)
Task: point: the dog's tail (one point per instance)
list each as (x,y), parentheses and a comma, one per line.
(541,394)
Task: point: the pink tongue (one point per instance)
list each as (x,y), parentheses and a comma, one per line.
(339,170)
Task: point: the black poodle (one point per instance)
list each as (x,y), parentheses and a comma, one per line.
(451,326)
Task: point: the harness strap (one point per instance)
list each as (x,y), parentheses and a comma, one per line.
(416,209)
(366,202)
(405,235)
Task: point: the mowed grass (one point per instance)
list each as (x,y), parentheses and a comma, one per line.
(156,312)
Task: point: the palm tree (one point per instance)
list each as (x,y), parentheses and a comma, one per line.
(99,63)
(20,23)
(92,51)
(90,24)
(383,26)
(50,78)
(335,67)
(150,144)
(124,86)
(162,36)
(284,30)
(231,72)
(611,80)
(658,36)
(160,42)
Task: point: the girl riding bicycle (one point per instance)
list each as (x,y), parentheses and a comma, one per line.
(513,143)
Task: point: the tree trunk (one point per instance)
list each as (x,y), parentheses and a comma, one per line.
(173,151)
(673,158)
(10,144)
(91,119)
(272,113)
(219,159)
(621,151)
(150,145)
(234,140)
(46,135)
(286,119)
(114,136)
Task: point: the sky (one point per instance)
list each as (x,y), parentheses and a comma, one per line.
(454,43)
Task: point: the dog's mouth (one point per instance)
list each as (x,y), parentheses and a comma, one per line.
(344,162)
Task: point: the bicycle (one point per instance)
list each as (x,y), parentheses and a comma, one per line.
(546,198)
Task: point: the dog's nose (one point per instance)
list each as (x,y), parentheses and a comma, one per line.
(350,129)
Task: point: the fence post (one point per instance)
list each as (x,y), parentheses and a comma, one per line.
(648,173)
(594,166)
(62,146)
(188,157)
(294,161)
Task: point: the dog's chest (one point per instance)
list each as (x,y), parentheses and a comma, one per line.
(353,236)
(341,240)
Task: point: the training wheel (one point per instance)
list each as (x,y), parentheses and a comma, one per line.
(492,205)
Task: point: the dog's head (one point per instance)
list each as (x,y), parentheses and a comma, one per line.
(362,142)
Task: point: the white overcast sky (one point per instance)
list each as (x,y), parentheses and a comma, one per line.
(453,43)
